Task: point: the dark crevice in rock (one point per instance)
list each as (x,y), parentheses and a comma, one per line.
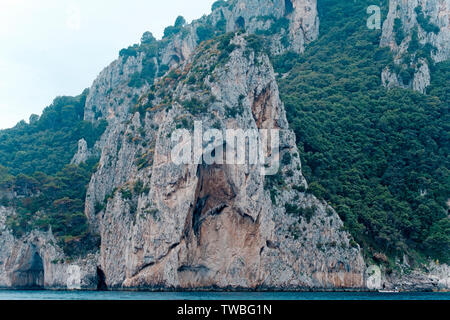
(289,7)
(151,264)
(145,266)
(217,210)
(101,280)
(176,58)
(196,216)
(272,245)
(30,273)
(172,247)
(240,23)
(246,216)
(195,269)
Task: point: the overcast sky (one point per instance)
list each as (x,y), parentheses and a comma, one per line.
(50,48)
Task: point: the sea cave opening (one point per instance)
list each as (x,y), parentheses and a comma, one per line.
(101,280)
(30,274)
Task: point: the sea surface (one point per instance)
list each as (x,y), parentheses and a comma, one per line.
(96,295)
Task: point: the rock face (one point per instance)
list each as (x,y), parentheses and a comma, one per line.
(298,17)
(36,261)
(194,225)
(197,226)
(435,278)
(82,154)
(203,226)
(286,24)
(418,33)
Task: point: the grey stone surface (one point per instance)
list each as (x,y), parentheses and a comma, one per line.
(35,260)
(438,12)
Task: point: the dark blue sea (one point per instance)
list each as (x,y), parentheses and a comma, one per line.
(120,295)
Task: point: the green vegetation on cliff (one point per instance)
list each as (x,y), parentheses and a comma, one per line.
(36,178)
(382,156)
(57,202)
(48,142)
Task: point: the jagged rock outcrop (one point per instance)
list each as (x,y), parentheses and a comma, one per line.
(82,154)
(197,226)
(418,33)
(111,98)
(434,277)
(194,226)
(36,261)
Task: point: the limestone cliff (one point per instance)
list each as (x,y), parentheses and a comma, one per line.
(418,33)
(194,226)
(435,277)
(198,226)
(295,22)
(286,25)
(36,261)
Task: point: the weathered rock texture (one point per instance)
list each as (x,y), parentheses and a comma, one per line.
(83,153)
(287,24)
(198,226)
(36,261)
(193,226)
(433,35)
(299,17)
(434,278)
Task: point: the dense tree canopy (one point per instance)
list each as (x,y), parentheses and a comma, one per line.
(382,156)
(56,202)
(48,142)
(34,168)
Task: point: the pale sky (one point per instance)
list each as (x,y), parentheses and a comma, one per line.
(50,48)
